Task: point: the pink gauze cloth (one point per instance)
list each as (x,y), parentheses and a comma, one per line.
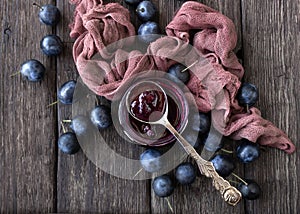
(96,25)
(216,37)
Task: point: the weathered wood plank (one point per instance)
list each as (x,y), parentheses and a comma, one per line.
(271,57)
(28,158)
(82,187)
(28,128)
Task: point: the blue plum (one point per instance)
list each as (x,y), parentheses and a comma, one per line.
(101,117)
(68,143)
(251,191)
(247,151)
(146,11)
(150,160)
(185,173)
(66,91)
(247,95)
(223,164)
(148,32)
(51,45)
(33,70)
(163,186)
(179,72)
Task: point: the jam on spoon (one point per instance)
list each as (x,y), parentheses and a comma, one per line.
(148,105)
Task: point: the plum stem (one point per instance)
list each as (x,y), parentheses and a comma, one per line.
(238,177)
(63,127)
(189,67)
(97,102)
(37,5)
(67,121)
(227,151)
(138,172)
(247,109)
(169,205)
(52,104)
(15,74)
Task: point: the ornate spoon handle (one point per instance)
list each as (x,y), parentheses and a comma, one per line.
(229,193)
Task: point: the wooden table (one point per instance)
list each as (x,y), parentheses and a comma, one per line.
(36,177)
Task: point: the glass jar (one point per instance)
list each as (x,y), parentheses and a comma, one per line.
(179,111)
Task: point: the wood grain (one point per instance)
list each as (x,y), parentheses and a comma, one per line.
(271,58)
(200,197)
(28,128)
(37,178)
(82,186)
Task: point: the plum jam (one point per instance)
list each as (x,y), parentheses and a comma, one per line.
(149,106)
(146,104)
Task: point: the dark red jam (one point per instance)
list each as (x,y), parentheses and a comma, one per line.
(145,105)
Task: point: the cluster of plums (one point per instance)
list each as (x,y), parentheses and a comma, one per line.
(100,117)
(51,45)
(246,151)
(146,11)
(33,70)
(185,174)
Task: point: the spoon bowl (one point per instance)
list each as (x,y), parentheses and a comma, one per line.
(134,95)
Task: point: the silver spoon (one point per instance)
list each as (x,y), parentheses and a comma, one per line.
(229,193)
